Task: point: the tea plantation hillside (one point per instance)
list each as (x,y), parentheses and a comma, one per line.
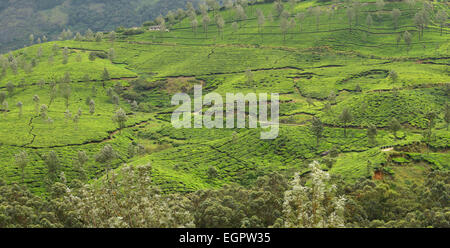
(364,91)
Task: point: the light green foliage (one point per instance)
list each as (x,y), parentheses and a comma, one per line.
(315,204)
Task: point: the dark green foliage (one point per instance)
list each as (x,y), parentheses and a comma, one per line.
(234,206)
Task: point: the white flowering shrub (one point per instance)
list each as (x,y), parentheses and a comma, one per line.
(129,200)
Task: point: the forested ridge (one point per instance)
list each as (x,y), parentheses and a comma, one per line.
(20,18)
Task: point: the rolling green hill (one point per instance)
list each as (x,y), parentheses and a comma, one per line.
(322,58)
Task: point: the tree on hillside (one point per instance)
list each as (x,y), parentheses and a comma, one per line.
(203,9)
(53,164)
(228,4)
(261,21)
(356,5)
(36,101)
(284,26)
(194,25)
(105,76)
(421,20)
(249,75)
(111,54)
(369,22)
(2,97)
(66,92)
(345,117)
(332,97)
(293,3)
(206,20)
(212,172)
(240,13)
(67,115)
(78,37)
(213,5)
(115,100)
(441,18)
(235,27)
(39,52)
(92,56)
(393,76)
(315,204)
(380,5)
(351,16)
(51,59)
(44,112)
(91,107)
(14,65)
(317,129)
(317,11)
(395,126)
(395,15)
(121,118)
(300,18)
(53,93)
(79,164)
(398,39)
(76,119)
(5,108)
(20,106)
(431,117)
(407,38)
(112,36)
(10,88)
(65,55)
(106,156)
(22,161)
(220,25)
(31,38)
(278,8)
(410,3)
(170,17)
(66,79)
(372,134)
(291,27)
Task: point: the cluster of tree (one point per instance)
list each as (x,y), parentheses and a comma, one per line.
(314,199)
